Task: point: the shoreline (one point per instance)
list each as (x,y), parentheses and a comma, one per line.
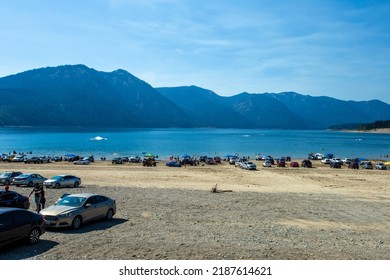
(378,130)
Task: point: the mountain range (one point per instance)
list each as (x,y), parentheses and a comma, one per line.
(75,95)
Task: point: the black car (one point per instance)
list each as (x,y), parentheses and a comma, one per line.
(13,199)
(117,160)
(19,224)
(335,164)
(8,176)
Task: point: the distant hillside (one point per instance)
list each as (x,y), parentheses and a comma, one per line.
(80,96)
(288,110)
(75,95)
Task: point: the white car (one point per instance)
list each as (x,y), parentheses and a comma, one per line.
(380,166)
(267,163)
(249,165)
(326,160)
(346,160)
(337,160)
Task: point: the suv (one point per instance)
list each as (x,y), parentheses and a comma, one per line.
(149,162)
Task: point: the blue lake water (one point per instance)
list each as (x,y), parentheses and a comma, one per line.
(166,142)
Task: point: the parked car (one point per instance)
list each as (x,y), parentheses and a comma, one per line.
(76,209)
(368,165)
(338,160)
(33,160)
(20,224)
(239,162)
(28,179)
(306,163)
(173,164)
(82,162)
(125,159)
(149,161)
(326,160)
(335,164)
(232,160)
(117,160)
(62,181)
(14,199)
(380,166)
(267,163)
(7,177)
(294,164)
(19,158)
(135,159)
(346,160)
(249,165)
(281,162)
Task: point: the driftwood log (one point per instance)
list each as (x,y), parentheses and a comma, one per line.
(215,189)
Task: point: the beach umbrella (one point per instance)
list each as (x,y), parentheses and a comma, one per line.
(148,155)
(186,156)
(229,155)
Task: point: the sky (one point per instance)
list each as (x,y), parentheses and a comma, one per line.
(336,48)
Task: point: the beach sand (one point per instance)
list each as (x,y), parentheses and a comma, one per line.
(270,213)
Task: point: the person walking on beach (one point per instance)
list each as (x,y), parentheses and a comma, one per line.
(36,191)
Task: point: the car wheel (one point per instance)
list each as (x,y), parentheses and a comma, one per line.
(30,184)
(57,185)
(110,214)
(76,184)
(76,223)
(6,182)
(34,235)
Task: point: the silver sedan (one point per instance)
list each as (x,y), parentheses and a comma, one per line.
(76,209)
(62,181)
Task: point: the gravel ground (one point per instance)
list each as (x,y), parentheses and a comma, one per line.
(168,223)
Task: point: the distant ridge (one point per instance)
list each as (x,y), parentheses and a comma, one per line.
(75,95)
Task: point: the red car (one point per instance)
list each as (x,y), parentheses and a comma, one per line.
(294,164)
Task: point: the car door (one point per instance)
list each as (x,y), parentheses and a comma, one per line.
(6,227)
(21,223)
(91,211)
(67,181)
(96,208)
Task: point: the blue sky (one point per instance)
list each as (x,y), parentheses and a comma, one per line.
(337,48)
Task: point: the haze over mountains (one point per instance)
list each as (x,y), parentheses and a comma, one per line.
(75,95)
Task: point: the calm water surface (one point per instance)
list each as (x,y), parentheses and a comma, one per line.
(166,142)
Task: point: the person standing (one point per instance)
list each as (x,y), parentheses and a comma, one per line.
(36,192)
(42,199)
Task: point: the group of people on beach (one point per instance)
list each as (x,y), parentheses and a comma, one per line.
(39,196)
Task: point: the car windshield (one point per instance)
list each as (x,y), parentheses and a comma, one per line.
(5,174)
(23,176)
(73,201)
(56,177)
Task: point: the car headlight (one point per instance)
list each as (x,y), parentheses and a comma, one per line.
(65,215)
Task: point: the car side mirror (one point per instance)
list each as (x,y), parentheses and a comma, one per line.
(88,205)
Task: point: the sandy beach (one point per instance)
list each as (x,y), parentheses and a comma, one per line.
(270,213)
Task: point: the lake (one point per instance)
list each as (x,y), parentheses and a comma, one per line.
(199,141)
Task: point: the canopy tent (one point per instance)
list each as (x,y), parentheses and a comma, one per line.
(186,156)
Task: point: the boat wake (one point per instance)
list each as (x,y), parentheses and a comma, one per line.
(98,138)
